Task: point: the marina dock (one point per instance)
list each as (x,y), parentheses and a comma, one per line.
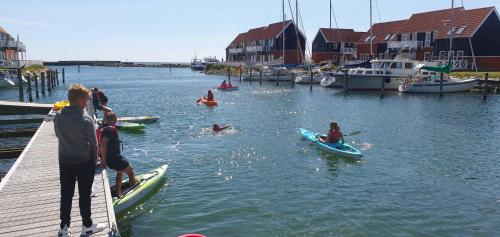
(30,192)
(18,108)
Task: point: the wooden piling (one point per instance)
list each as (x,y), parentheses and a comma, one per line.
(36,86)
(229,74)
(30,92)
(251,69)
(293,80)
(57,77)
(382,86)
(311,81)
(53,79)
(64,79)
(260,76)
(78,68)
(441,85)
(486,86)
(49,86)
(42,84)
(278,79)
(240,72)
(346,82)
(20,84)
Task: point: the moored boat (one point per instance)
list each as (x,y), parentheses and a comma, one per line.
(432,84)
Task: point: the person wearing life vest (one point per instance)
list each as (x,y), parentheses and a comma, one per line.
(111,155)
(223,85)
(334,134)
(216,128)
(210,96)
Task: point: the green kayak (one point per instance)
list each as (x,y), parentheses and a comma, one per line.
(130,126)
(132,195)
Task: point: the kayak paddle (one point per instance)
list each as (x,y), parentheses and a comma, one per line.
(353,133)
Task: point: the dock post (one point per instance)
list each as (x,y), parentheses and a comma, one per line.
(260,77)
(30,92)
(251,69)
(441,85)
(240,72)
(382,86)
(20,84)
(57,77)
(53,73)
(63,76)
(311,81)
(486,86)
(278,79)
(78,67)
(346,82)
(42,84)
(36,86)
(229,74)
(293,80)
(49,86)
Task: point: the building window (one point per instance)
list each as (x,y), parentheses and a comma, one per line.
(460,55)
(393,36)
(460,30)
(387,37)
(427,56)
(392,55)
(405,37)
(334,58)
(442,55)
(381,56)
(451,55)
(451,30)
(428,38)
(414,36)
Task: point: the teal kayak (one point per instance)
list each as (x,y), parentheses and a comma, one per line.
(147,183)
(335,148)
(130,126)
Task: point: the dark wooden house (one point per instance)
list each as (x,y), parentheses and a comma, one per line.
(265,45)
(335,45)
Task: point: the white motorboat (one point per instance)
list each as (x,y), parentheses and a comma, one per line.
(330,80)
(450,84)
(268,74)
(6,82)
(305,77)
(392,71)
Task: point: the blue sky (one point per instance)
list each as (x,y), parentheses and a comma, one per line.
(171,30)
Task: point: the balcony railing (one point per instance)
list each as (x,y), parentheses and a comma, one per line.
(348,50)
(237,50)
(256,48)
(13,44)
(410,44)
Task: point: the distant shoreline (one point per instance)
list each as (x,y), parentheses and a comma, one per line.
(118,64)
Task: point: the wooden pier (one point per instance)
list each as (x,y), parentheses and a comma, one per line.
(30,193)
(18,108)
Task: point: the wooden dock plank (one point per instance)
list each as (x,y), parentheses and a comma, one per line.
(16,108)
(32,193)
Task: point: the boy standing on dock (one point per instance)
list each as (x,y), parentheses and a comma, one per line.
(77,159)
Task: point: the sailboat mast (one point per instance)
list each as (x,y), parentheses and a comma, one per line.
(452,25)
(330,14)
(283,40)
(371,31)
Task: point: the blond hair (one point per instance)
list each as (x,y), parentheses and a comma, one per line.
(76,92)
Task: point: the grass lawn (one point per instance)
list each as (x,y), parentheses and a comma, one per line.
(476,74)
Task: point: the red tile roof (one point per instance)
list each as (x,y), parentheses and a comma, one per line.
(381,30)
(267,32)
(340,35)
(439,21)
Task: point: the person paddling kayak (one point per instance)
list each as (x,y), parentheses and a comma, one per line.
(223,84)
(334,134)
(210,96)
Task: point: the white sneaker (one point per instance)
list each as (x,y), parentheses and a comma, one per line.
(93,229)
(64,232)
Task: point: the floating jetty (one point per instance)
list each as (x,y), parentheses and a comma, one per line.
(18,108)
(30,192)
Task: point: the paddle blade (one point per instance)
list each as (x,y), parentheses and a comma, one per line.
(353,133)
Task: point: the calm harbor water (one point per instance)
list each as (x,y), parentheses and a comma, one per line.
(430,167)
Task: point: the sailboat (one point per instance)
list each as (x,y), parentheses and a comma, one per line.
(440,84)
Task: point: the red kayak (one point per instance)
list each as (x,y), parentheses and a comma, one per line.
(227,88)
